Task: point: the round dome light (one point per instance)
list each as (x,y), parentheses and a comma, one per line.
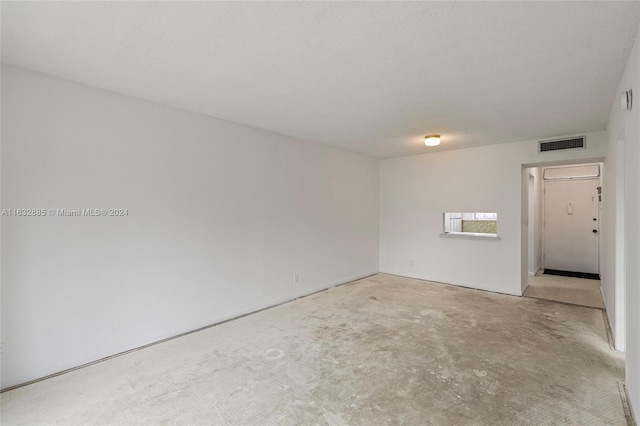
(432,140)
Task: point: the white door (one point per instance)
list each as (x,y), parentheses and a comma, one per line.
(571,225)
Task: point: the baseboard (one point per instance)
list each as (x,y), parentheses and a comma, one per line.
(531,275)
(607,323)
(107,355)
(626,404)
(473,286)
(297,295)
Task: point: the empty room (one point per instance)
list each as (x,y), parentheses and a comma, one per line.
(320,213)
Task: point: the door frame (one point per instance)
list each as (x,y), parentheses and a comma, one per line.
(524,239)
(531,224)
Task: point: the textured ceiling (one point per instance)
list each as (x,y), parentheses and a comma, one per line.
(368,77)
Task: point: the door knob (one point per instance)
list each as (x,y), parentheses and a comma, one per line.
(595,231)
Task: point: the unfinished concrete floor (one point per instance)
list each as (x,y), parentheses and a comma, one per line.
(382,350)
(577,291)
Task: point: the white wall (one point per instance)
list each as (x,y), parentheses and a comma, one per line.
(524,230)
(624,124)
(537,171)
(612,244)
(535,258)
(538,216)
(415,191)
(221,217)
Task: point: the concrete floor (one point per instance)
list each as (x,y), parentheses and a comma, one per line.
(577,291)
(382,350)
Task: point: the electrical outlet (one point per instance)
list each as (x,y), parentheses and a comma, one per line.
(3,349)
(296,279)
(411,262)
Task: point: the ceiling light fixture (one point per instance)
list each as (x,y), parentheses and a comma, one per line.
(432,140)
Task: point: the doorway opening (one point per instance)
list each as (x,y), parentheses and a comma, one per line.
(571,222)
(561,233)
(533,262)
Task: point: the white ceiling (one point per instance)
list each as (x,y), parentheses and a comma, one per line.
(368,77)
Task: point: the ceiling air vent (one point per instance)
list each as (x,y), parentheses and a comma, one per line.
(557,144)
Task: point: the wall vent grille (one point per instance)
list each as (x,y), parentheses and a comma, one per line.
(555,145)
